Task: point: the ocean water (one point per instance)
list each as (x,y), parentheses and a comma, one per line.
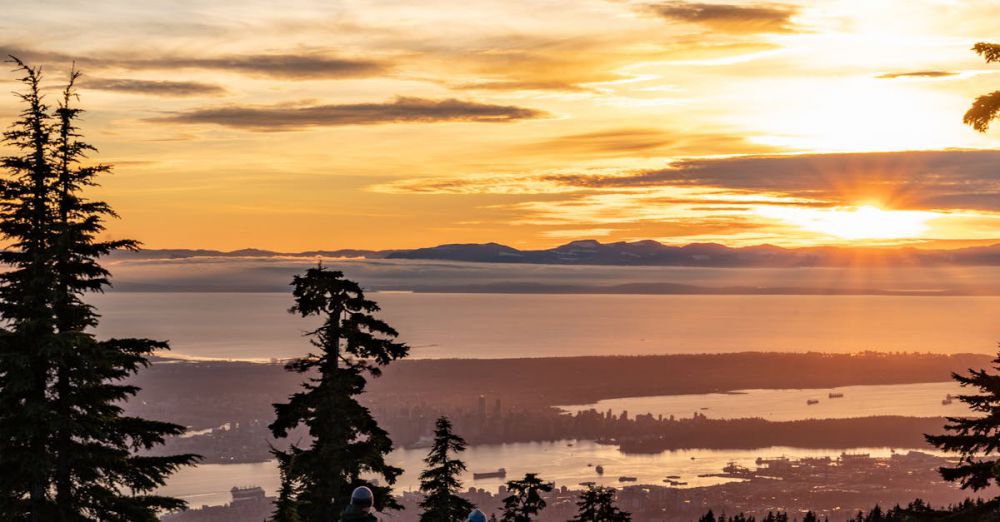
(256,326)
(908,400)
(564,462)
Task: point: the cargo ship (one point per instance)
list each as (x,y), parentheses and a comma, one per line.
(500,473)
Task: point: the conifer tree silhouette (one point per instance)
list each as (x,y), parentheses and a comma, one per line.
(440,481)
(67,442)
(974,439)
(597,504)
(525,500)
(348,447)
(986,108)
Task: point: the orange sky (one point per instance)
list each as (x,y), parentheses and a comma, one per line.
(380,124)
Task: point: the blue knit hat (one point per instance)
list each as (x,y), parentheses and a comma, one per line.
(477,516)
(363,497)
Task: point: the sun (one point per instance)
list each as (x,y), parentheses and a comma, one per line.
(855,223)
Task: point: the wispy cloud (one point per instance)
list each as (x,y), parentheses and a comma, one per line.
(919,179)
(400,110)
(731,18)
(153,87)
(290,65)
(918,74)
(641,141)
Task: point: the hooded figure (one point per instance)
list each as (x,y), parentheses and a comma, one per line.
(477,516)
(359,510)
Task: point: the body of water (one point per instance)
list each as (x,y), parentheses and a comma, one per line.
(257,325)
(566,463)
(909,400)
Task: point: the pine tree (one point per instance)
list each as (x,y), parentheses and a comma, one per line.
(348,447)
(974,439)
(440,483)
(986,108)
(26,294)
(597,504)
(525,499)
(285,508)
(79,446)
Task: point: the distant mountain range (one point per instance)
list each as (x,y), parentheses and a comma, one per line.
(639,253)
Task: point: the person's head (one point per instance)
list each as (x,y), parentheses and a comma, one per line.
(477,516)
(363,498)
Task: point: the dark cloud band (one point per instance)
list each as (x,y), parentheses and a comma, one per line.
(152,87)
(400,110)
(763,18)
(916,179)
(289,65)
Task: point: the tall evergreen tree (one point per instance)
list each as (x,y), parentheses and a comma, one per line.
(80,448)
(525,500)
(285,507)
(26,295)
(986,108)
(974,439)
(439,482)
(597,504)
(348,447)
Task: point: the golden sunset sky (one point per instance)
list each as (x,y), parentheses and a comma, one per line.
(301,125)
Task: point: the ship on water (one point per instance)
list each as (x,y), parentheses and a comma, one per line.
(835,395)
(500,473)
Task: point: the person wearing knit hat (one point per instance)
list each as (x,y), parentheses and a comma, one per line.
(477,516)
(359,510)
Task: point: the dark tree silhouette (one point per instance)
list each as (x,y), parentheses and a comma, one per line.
(986,107)
(285,507)
(597,504)
(69,438)
(440,481)
(525,499)
(974,439)
(348,447)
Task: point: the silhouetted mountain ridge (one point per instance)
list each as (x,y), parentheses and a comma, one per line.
(638,253)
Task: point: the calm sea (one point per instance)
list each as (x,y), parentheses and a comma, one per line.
(257,326)
(567,463)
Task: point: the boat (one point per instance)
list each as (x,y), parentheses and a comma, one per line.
(810,402)
(836,395)
(673,477)
(587,484)
(500,473)
(627,479)
(599,469)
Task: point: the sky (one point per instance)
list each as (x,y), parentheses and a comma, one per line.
(302,125)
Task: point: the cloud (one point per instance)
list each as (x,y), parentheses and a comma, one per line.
(730,18)
(917,179)
(400,110)
(918,74)
(285,66)
(639,141)
(153,87)
(920,180)
(306,65)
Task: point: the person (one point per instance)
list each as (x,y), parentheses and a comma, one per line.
(360,508)
(477,516)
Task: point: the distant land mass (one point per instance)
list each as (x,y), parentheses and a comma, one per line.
(638,253)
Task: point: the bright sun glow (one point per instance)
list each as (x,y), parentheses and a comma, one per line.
(864,222)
